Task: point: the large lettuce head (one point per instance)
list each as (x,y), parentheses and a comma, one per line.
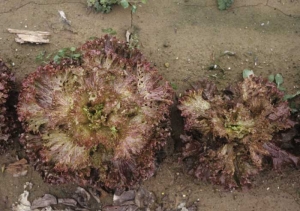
(99,120)
(229,134)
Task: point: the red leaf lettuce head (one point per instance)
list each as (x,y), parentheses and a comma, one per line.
(99,120)
(6,120)
(229,134)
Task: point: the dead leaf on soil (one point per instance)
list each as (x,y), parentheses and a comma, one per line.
(24,36)
(18,168)
(44,201)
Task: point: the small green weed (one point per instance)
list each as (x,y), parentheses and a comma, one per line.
(278,79)
(287,96)
(174,86)
(109,31)
(42,57)
(62,53)
(66,53)
(92,38)
(224,4)
(247,73)
(105,6)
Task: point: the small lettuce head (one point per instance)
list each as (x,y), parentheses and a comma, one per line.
(229,134)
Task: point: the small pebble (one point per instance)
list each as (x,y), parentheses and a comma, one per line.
(166,45)
(167,65)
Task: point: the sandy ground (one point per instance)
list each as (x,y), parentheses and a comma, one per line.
(190,35)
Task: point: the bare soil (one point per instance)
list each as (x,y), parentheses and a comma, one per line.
(190,35)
